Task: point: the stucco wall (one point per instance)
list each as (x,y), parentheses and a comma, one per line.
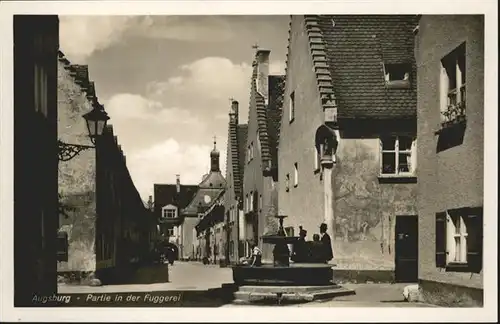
(188,239)
(452,178)
(76,177)
(302,204)
(366,210)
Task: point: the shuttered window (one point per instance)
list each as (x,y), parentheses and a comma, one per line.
(441,239)
(459,239)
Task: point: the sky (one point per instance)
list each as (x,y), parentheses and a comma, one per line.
(166,83)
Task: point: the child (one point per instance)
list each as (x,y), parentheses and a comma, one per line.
(256,259)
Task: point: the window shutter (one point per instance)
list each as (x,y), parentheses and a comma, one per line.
(474,223)
(440,239)
(380,155)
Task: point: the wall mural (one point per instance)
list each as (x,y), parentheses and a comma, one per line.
(365,210)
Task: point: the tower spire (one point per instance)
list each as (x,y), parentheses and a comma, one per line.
(214,157)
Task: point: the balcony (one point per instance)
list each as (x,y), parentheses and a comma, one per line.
(170,220)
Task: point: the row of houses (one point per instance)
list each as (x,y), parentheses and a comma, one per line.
(104,226)
(334,141)
(76,213)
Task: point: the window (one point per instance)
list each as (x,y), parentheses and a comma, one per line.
(250,205)
(169,211)
(287,182)
(292,107)
(170,232)
(295,174)
(459,239)
(397,155)
(317,159)
(397,75)
(289,231)
(453,79)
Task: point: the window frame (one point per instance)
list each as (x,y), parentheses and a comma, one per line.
(168,209)
(471,259)
(453,101)
(397,83)
(291,107)
(295,175)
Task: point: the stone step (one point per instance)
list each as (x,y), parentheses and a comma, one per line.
(286,289)
(250,297)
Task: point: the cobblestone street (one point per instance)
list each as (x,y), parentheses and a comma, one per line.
(197,279)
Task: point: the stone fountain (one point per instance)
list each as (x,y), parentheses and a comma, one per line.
(283,280)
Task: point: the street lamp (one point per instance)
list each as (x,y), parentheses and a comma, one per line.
(96,121)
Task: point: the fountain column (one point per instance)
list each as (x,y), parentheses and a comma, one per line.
(328,148)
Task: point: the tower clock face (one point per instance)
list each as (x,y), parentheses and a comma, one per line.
(207,199)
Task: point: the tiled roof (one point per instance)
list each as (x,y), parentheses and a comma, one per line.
(348,54)
(237,152)
(199,200)
(166,194)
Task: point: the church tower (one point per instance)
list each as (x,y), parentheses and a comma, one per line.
(214,158)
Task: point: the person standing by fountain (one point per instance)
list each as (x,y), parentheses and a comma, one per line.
(256,260)
(326,241)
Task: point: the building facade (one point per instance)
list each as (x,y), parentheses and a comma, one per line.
(260,178)
(36,42)
(202,228)
(103,221)
(169,200)
(449,51)
(233,196)
(347,143)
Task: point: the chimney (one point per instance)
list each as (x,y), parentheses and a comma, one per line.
(262,61)
(233,113)
(150,203)
(178,183)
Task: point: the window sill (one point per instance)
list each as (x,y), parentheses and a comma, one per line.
(402,84)
(397,179)
(457,267)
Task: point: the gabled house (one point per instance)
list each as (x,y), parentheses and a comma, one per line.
(203,216)
(347,141)
(449,50)
(233,196)
(261,168)
(169,200)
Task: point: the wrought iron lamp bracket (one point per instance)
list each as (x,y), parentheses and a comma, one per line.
(68,151)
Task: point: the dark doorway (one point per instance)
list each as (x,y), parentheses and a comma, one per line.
(406,249)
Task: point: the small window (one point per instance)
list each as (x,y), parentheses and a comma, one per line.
(295,174)
(317,158)
(397,156)
(397,75)
(292,107)
(169,212)
(287,182)
(170,232)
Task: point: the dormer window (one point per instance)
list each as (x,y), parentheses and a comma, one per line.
(169,211)
(397,75)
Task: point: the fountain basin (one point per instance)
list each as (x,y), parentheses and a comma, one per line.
(297,274)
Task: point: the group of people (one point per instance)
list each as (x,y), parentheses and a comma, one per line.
(320,252)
